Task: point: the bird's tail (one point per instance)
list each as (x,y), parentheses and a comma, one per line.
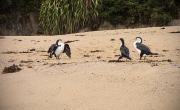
(129,58)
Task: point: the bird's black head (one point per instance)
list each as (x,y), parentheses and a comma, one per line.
(139,39)
(121,39)
(57,42)
(67,50)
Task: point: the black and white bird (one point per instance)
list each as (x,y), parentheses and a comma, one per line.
(124,50)
(52,48)
(141,48)
(58,48)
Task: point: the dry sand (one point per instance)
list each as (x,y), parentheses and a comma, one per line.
(88,81)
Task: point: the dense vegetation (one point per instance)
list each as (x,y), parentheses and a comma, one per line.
(67,16)
(20,5)
(132,12)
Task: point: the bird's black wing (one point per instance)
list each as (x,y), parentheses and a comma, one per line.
(145,49)
(124,51)
(67,50)
(52,48)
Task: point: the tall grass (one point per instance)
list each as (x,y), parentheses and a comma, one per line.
(67,16)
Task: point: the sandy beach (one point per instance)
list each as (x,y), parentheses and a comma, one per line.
(89,81)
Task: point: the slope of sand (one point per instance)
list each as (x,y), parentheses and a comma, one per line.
(88,81)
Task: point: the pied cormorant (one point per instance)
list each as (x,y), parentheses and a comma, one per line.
(58,48)
(141,48)
(124,50)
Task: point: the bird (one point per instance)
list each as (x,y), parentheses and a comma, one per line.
(58,48)
(52,48)
(124,50)
(141,48)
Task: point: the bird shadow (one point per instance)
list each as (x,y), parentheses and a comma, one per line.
(116,61)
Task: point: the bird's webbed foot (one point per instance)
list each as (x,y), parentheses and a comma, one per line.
(120,57)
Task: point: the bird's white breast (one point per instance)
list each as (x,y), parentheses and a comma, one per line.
(135,46)
(120,44)
(59,49)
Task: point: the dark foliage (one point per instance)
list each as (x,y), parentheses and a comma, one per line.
(19,5)
(131,12)
(10,8)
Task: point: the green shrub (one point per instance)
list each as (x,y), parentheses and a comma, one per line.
(160,18)
(132,12)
